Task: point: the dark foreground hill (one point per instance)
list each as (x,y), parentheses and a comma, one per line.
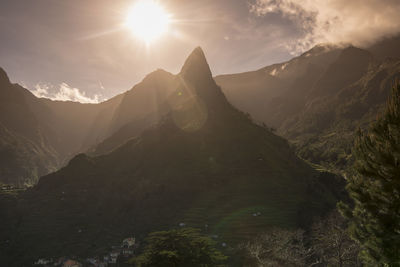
(205,162)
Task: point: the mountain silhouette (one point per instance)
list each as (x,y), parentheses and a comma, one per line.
(300,98)
(202,162)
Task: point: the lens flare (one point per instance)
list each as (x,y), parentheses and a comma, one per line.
(148,20)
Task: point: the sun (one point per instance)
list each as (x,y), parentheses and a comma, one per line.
(148,20)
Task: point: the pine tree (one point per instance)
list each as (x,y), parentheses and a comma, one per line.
(375,189)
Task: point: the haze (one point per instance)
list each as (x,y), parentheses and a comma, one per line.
(78,50)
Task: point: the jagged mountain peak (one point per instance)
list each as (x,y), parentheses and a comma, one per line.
(196,67)
(196,78)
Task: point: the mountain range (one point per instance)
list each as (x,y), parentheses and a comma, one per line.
(186,149)
(320,98)
(198,162)
(316,101)
(38,135)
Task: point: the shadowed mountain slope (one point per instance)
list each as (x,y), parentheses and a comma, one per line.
(204,162)
(25,149)
(320,98)
(316,100)
(38,135)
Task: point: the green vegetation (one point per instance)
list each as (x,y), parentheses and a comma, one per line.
(179,248)
(375,189)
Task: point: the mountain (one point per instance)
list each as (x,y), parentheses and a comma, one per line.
(386,48)
(25,151)
(281,85)
(203,162)
(315,100)
(318,100)
(38,136)
(140,107)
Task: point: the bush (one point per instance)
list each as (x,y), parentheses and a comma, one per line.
(179,247)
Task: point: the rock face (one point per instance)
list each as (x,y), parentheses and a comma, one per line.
(203,162)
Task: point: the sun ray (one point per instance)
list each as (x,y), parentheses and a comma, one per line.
(148,20)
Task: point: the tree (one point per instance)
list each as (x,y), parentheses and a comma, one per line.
(375,215)
(331,242)
(278,247)
(179,247)
(326,243)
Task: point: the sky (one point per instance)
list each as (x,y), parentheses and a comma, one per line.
(79,50)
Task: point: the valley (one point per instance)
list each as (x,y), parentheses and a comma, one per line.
(231,155)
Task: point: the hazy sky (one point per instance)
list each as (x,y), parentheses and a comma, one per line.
(77,49)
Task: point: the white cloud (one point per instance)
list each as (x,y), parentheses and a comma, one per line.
(63,93)
(359,22)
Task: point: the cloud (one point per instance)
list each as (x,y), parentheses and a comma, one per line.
(359,22)
(63,93)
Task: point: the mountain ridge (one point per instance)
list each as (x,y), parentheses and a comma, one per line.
(201,164)
(332,92)
(284,96)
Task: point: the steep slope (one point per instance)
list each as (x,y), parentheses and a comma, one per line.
(25,150)
(324,130)
(145,105)
(142,106)
(79,126)
(204,163)
(38,136)
(277,92)
(387,48)
(335,91)
(351,64)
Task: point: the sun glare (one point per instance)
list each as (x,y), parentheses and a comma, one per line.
(147,20)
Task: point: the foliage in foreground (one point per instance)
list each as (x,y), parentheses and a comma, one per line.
(375,189)
(277,247)
(179,247)
(326,244)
